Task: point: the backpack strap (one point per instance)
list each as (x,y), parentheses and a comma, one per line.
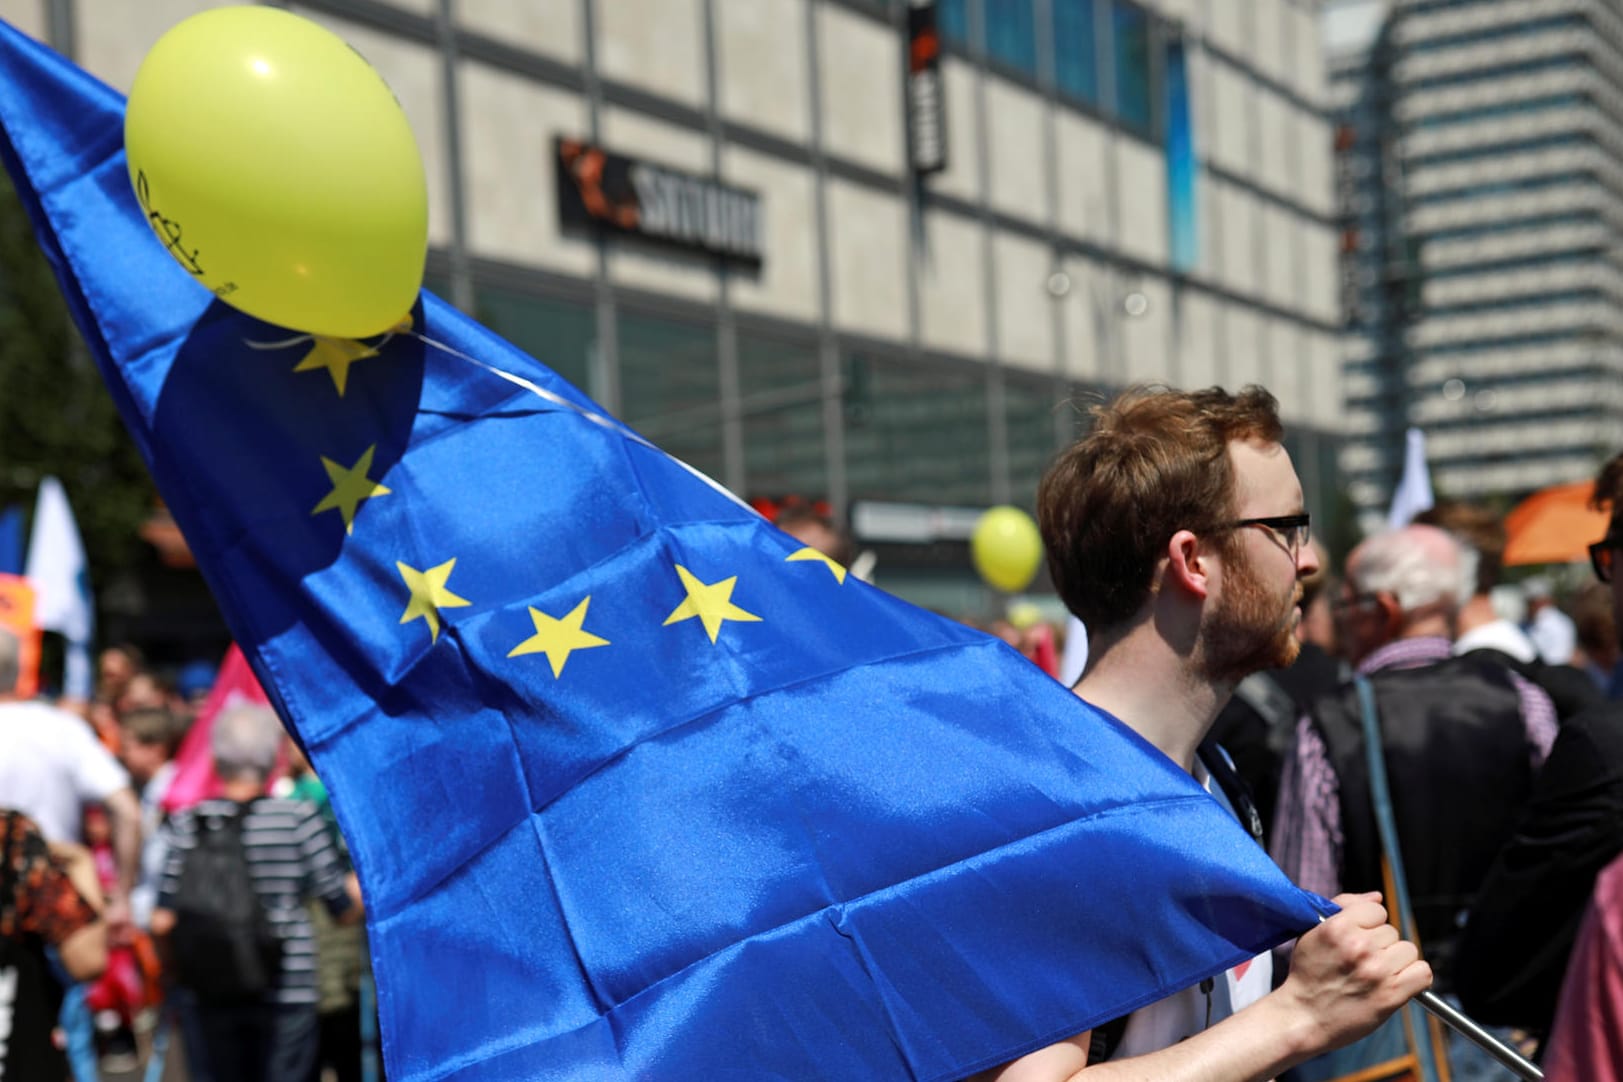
(1215,758)
(1386,822)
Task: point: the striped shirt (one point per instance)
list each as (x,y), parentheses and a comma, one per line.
(292,860)
(1308,839)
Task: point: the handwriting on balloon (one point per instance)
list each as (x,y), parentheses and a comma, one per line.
(167,228)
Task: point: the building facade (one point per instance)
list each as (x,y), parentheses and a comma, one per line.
(1483,142)
(800,246)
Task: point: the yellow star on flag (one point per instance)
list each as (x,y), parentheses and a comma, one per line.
(429,594)
(335,355)
(835,568)
(558,638)
(710,603)
(349,487)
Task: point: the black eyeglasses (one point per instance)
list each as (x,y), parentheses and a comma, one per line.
(1601,555)
(1356,601)
(1294,530)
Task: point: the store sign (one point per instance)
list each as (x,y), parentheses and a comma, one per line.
(926,111)
(597,189)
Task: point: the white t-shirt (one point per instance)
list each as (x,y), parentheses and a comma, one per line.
(1500,635)
(1183,1014)
(51,766)
(1554,634)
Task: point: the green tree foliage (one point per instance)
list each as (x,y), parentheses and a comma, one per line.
(56,417)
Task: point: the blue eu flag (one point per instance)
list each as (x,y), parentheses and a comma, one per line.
(636,786)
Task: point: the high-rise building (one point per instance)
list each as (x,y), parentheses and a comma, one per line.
(1481,167)
(818,250)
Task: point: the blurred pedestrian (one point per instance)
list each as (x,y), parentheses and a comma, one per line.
(120,993)
(1596,628)
(1551,630)
(1480,630)
(48,906)
(343,964)
(1480,533)
(151,735)
(115,668)
(816,530)
(1461,738)
(193,683)
(52,768)
(1586,1044)
(1516,946)
(248,999)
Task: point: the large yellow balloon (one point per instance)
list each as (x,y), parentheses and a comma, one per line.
(1006,548)
(275,164)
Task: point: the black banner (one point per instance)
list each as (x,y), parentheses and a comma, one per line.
(926,107)
(597,189)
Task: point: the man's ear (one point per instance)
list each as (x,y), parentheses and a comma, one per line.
(1188,565)
(1391,613)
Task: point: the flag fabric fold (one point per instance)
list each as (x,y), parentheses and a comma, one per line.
(60,575)
(636,786)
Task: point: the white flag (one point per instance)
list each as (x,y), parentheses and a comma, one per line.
(60,576)
(1413,494)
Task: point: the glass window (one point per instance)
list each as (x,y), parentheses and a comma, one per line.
(1498,150)
(915,434)
(670,387)
(560,334)
(1130,27)
(952,21)
(1032,409)
(1011,34)
(1562,62)
(1503,187)
(1076,50)
(1498,32)
(1528,300)
(780,388)
(1521,107)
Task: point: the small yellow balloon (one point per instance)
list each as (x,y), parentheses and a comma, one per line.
(1006,548)
(276,166)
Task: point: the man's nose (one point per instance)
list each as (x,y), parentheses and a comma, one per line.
(1307,561)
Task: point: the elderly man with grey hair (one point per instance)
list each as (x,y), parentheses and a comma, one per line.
(292,860)
(1462,739)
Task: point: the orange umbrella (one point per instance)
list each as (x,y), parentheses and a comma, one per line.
(1553,526)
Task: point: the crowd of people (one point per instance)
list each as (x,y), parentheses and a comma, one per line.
(1381,728)
(226,929)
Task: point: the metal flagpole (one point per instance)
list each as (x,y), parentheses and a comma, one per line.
(1468,1028)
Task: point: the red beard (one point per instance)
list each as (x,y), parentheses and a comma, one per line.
(1250,630)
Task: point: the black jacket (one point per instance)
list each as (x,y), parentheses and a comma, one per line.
(1514,950)
(1460,772)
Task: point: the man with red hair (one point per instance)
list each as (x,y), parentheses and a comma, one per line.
(1176,532)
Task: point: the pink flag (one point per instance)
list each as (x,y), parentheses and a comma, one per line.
(195,779)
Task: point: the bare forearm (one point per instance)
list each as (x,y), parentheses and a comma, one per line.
(84,953)
(1349,974)
(125,812)
(1259,1043)
(80,868)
